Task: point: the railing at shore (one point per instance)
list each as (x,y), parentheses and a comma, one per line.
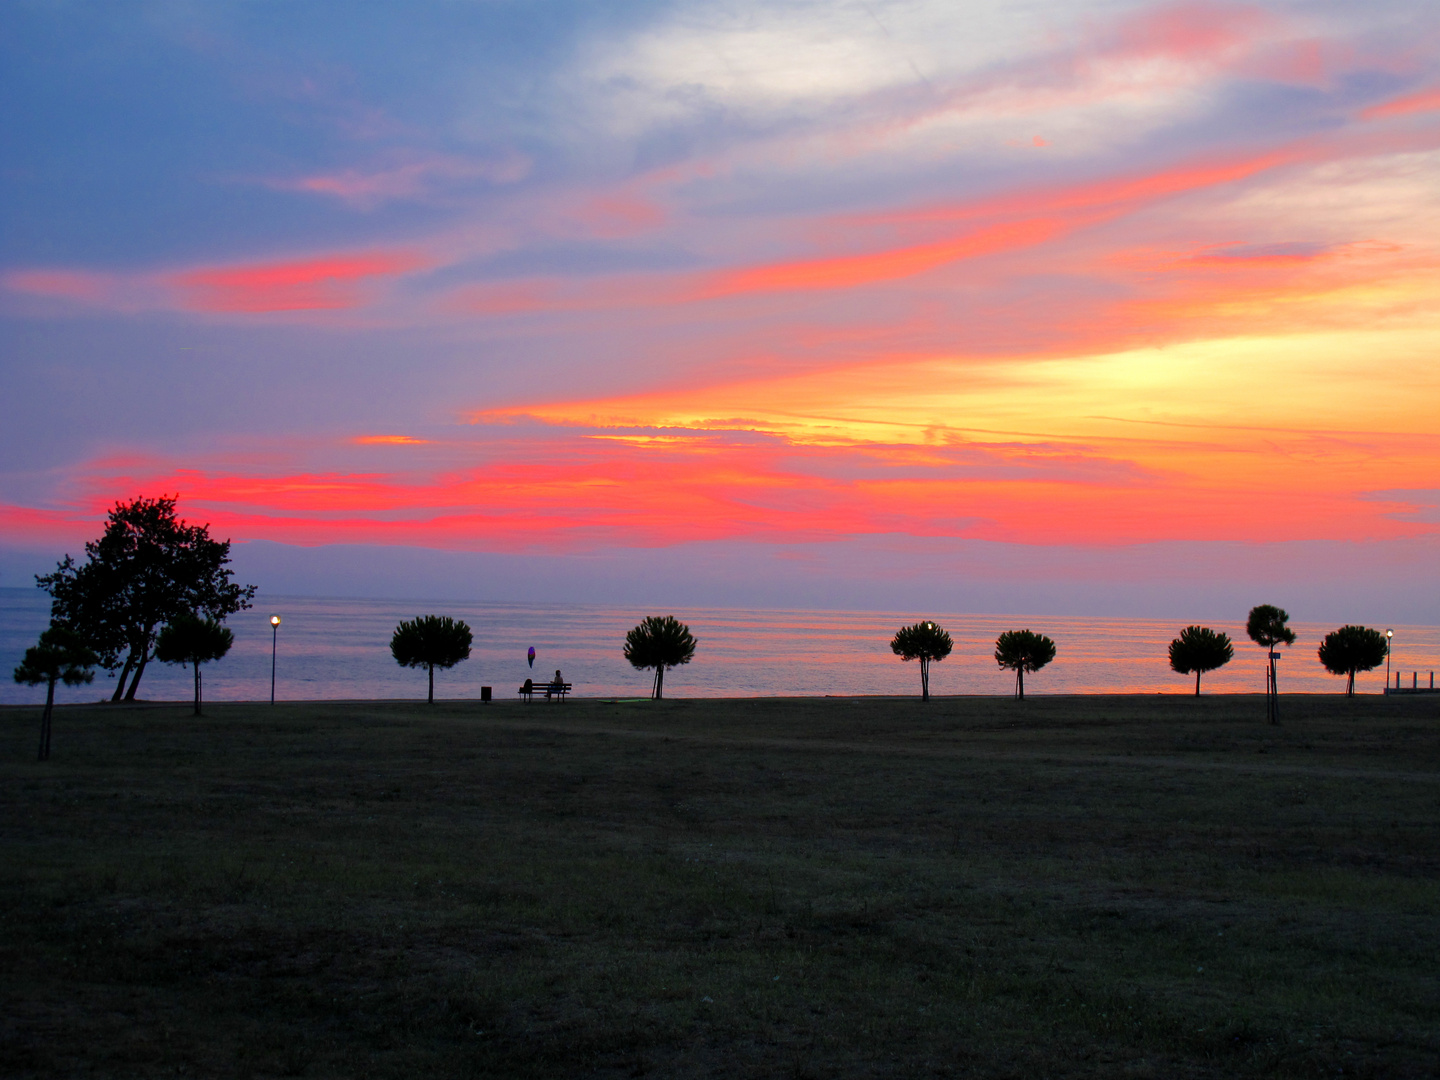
(1414,687)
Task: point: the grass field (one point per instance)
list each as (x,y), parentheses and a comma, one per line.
(1124,886)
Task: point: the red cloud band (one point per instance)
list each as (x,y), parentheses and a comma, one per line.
(571,490)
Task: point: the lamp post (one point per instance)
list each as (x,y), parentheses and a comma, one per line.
(1272,691)
(925,668)
(1388,635)
(275,641)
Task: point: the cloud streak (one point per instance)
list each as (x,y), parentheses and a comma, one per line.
(303,285)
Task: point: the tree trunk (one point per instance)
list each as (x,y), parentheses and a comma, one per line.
(45,722)
(1350,686)
(1274,694)
(659,682)
(924,679)
(124,674)
(431,698)
(1197,683)
(1020,683)
(139,671)
(197,687)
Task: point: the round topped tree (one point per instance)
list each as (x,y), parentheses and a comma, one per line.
(925,642)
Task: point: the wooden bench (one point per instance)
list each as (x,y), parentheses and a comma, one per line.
(549,689)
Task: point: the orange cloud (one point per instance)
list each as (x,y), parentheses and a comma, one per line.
(1232,289)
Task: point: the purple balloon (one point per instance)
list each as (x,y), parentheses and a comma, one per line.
(531,656)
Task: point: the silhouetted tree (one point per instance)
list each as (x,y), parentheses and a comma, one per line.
(1351,649)
(195,641)
(1200,649)
(1267,626)
(148,569)
(1022,651)
(659,643)
(924,642)
(431,641)
(60,655)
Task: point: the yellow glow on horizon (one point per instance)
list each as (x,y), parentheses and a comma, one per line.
(1313,383)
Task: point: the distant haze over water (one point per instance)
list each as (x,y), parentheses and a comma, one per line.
(331,648)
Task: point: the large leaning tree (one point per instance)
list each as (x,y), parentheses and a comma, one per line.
(194,641)
(924,642)
(1351,649)
(1199,649)
(1022,651)
(659,643)
(431,641)
(148,569)
(60,655)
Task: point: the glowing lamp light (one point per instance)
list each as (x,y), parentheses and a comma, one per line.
(274,642)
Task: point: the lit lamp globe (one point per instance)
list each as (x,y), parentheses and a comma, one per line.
(275,641)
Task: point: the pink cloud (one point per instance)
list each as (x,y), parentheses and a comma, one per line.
(68,284)
(1191,32)
(366,189)
(41,527)
(849,271)
(571,486)
(1121,191)
(1422,101)
(315,284)
(621,214)
(1035,218)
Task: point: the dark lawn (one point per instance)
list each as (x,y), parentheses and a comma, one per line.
(1125,886)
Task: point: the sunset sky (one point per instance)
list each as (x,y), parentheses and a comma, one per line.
(1084,307)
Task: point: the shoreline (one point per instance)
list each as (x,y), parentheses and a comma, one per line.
(577,699)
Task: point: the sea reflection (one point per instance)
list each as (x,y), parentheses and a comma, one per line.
(340,649)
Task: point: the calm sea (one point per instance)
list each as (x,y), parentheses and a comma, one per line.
(340,649)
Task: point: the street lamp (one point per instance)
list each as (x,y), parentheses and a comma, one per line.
(1388,635)
(275,641)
